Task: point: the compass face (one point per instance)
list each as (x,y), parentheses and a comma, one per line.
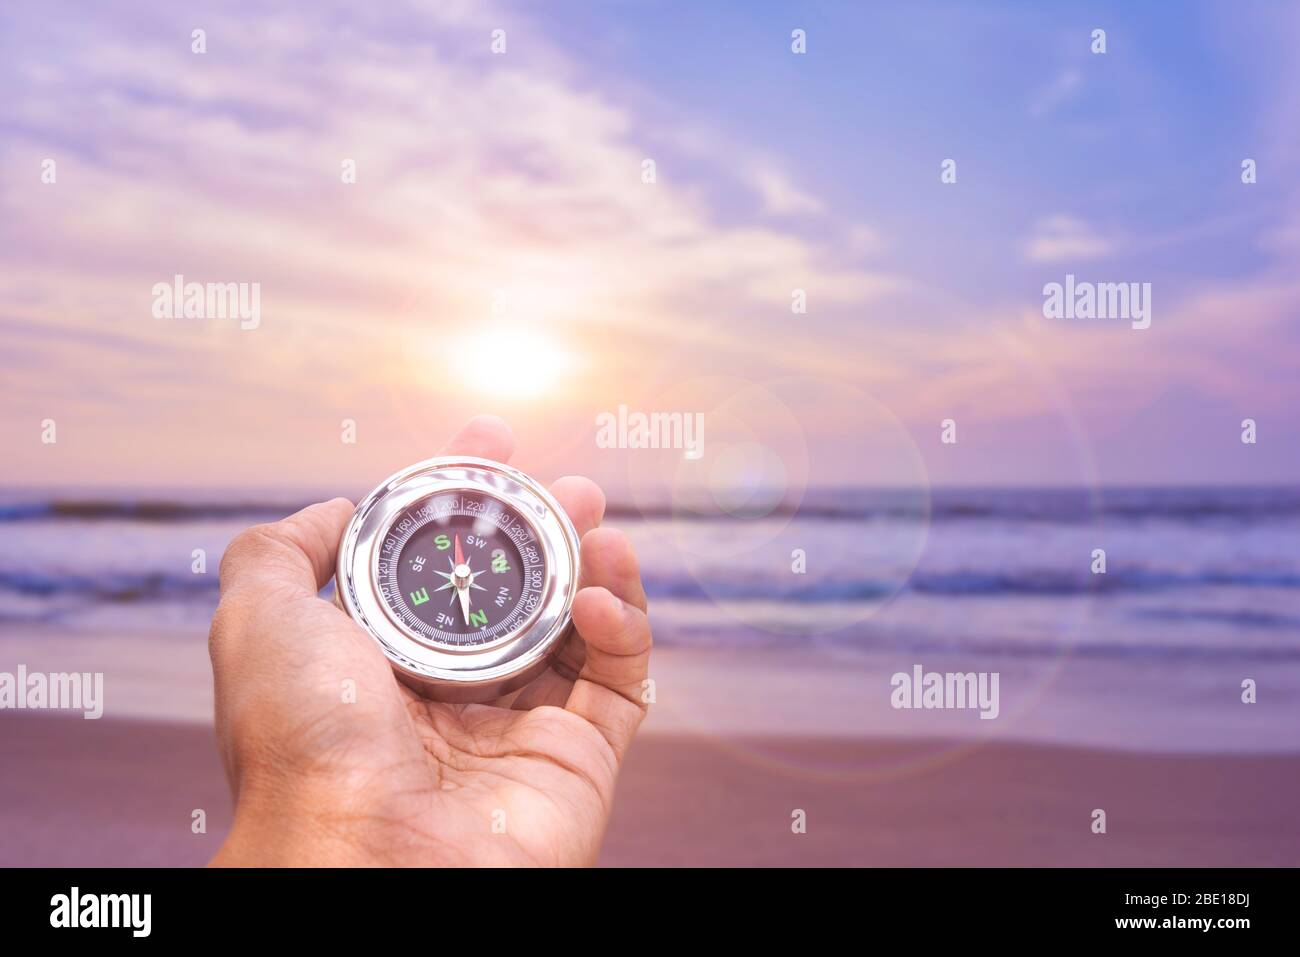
(461,569)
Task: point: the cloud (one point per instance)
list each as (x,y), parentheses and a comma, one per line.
(477,175)
(474,173)
(1059,91)
(1065,239)
(780,197)
(483,179)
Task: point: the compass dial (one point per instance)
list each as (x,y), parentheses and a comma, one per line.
(461,569)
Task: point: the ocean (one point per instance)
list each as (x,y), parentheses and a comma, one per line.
(1200,585)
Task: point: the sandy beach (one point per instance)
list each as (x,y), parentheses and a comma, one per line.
(121,792)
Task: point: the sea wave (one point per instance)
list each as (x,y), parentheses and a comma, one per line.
(107,587)
(156,585)
(1067,505)
(91,510)
(915,642)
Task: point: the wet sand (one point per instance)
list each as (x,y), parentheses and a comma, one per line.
(122,792)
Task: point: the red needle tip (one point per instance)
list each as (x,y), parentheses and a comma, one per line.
(460,558)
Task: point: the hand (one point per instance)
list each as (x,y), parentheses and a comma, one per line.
(382,776)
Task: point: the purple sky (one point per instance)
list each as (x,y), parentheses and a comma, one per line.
(499,250)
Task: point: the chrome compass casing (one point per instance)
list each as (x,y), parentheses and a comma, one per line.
(387,518)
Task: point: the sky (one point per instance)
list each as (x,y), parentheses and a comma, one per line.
(500,251)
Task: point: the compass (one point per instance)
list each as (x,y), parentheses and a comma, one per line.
(464,571)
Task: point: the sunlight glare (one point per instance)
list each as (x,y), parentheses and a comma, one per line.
(512,362)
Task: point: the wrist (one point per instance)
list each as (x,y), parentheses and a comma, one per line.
(298,826)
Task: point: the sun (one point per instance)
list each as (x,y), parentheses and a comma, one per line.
(511,362)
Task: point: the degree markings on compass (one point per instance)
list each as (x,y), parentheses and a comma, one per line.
(486,519)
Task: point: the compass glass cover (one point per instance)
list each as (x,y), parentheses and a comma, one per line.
(461,569)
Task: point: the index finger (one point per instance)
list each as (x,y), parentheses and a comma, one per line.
(483,437)
(298,553)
